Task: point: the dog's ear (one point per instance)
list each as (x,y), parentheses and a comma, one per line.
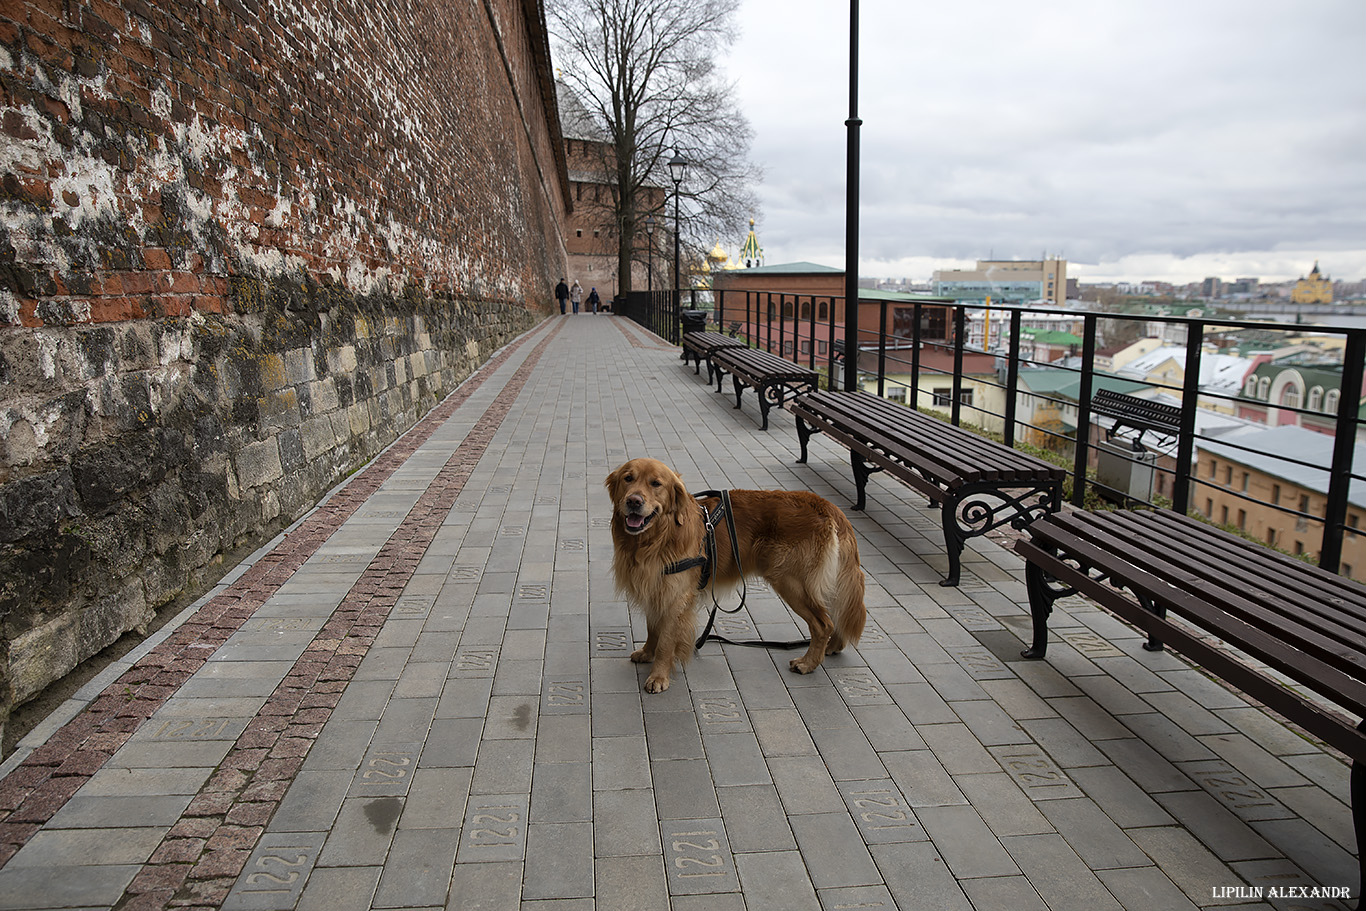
(612,478)
(681,499)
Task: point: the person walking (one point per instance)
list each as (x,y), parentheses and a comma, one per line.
(576,295)
(593,301)
(561,294)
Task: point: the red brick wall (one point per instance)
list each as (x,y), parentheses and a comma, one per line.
(243,246)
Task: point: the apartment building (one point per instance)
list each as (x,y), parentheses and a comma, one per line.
(1273,485)
(1005,281)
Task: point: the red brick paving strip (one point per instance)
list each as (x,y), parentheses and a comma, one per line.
(39,786)
(200,858)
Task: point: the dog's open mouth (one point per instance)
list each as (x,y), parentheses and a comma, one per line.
(635,523)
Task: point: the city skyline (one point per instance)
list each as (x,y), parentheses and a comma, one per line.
(1141,142)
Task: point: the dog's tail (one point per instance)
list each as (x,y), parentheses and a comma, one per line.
(846,603)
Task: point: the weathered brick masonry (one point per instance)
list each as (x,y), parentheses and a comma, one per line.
(243,246)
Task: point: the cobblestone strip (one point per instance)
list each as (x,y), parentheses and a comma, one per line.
(40,785)
(201,856)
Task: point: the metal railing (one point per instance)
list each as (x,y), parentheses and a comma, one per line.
(658,311)
(916,351)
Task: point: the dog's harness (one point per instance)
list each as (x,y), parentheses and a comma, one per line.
(707,561)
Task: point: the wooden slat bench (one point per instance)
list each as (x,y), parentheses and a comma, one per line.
(1150,566)
(773,378)
(699,345)
(977,483)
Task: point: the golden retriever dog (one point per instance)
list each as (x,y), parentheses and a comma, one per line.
(799,542)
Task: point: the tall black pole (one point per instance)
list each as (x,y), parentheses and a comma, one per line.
(851,212)
(678,291)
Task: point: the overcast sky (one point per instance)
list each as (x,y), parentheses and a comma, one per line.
(1138,139)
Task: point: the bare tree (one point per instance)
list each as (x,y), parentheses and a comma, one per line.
(644,70)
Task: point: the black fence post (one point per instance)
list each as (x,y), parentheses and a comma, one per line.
(1344,444)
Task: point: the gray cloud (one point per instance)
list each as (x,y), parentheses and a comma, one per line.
(1171,136)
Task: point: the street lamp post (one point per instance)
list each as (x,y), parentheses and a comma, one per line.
(649,252)
(851,199)
(678,167)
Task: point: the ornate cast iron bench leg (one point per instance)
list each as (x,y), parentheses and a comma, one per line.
(804,432)
(1043,590)
(863,469)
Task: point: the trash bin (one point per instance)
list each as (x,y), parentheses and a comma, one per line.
(693,320)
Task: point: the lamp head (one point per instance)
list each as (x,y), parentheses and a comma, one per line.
(678,166)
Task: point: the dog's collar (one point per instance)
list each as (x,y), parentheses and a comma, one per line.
(707,559)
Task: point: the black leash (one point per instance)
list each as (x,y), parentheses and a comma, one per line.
(707,560)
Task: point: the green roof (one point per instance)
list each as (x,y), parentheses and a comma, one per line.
(1051,336)
(790,269)
(873,294)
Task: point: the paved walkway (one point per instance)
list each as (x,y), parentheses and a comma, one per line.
(420,698)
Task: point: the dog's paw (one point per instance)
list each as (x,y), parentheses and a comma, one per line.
(640,656)
(802,665)
(654,684)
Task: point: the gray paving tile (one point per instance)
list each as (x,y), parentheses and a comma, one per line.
(776,880)
(625,823)
(1100,843)
(1003,804)
(339,888)
(564,739)
(697,857)
(1121,799)
(35,888)
(683,789)
(563,867)
(113,781)
(56,848)
(361,835)
(965,842)
(922,779)
(503,767)
(805,785)
(620,762)
(631,883)
(958,749)
(1060,877)
(1142,763)
(1253,760)
(312,802)
(1013,892)
(417,870)
(921,703)
(834,854)
(918,879)
(485,886)
(781,733)
(166,754)
(1229,837)
(495,829)
(755,820)
(1186,862)
(874,898)
(1319,856)
(82,812)
(562,792)
(437,798)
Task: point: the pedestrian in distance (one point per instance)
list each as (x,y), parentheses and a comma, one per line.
(576,295)
(561,295)
(593,301)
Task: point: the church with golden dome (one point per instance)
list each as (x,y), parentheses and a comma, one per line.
(1317,288)
(751,255)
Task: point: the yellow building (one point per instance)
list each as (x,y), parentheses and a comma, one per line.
(1315,289)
